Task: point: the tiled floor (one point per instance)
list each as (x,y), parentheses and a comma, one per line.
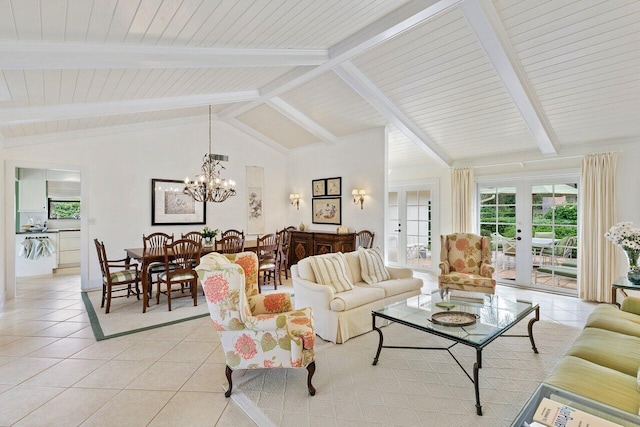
(54,373)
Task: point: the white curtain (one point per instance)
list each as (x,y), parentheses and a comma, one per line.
(596,255)
(462,200)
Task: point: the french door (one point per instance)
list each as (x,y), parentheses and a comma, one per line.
(410,226)
(533,225)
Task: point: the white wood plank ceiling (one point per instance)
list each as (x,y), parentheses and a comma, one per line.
(455,80)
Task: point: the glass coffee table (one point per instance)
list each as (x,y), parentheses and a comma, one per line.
(474,321)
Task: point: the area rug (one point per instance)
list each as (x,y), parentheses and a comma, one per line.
(126,317)
(407,387)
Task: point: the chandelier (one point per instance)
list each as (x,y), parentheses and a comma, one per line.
(209,186)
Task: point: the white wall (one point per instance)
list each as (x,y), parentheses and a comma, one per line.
(360,161)
(116,171)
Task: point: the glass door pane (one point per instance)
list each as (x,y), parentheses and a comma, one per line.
(554,231)
(409,227)
(498,221)
(393,227)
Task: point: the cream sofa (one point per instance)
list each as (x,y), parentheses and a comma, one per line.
(339,316)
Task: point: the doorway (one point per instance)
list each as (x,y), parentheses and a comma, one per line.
(410,226)
(533,225)
(13,222)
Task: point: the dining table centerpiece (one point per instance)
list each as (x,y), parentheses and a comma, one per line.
(625,235)
(208,235)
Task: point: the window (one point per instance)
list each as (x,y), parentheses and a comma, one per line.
(64,209)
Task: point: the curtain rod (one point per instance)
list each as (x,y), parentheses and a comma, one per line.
(522,163)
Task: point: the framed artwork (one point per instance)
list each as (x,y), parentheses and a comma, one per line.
(170,206)
(255,185)
(327,210)
(319,187)
(334,186)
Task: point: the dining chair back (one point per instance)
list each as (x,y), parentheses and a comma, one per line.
(196,236)
(180,259)
(118,275)
(230,245)
(155,240)
(284,245)
(364,238)
(267,251)
(232,232)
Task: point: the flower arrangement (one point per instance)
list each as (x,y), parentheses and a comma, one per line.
(628,238)
(209,233)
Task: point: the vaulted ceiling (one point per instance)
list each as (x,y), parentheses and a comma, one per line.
(454,80)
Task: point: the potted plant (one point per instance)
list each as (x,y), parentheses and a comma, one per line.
(208,234)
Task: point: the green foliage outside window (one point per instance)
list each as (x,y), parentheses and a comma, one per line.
(64,209)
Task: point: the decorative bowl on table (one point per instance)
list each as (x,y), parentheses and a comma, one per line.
(33,228)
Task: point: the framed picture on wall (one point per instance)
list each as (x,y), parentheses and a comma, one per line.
(327,210)
(319,188)
(334,186)
(170,206)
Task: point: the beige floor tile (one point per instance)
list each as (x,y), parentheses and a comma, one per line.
(234,416)
(80,318)
(107,349)
(26,328)
(176,332)
(23,368)
(19,401)
(209,377)
(189,351)
(164,376)
(4,387)
(6,339)
(132,408)
(200,409)
(6,359)
(147,350)
(85,332)
(61,330)
(69,408)
(204,332)
(114,374)
(25,345)
(66,373)
(63,348)
(62,315)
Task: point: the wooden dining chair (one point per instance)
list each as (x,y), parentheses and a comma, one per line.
(155,240)
(118,275)
(230,245)
(284,243)
(364,239)
(180,260)
(232,232)
(267,250)
(196,236)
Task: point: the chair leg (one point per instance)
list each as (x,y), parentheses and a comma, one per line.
(169,295)
(104,294)
(228,371)
(194,292)
(311,368)
(108,299)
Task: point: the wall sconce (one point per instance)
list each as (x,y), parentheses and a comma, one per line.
(358,197)
(295,200)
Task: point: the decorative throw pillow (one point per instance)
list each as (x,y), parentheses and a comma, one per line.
(372,266)
(331,270)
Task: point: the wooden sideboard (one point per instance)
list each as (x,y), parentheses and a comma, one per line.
(307,243)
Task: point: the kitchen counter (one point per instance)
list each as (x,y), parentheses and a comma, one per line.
(48,230)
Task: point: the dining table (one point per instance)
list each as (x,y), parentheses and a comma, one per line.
(146,256)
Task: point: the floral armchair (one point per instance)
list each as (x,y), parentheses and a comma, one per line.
(465,263)
(256,330)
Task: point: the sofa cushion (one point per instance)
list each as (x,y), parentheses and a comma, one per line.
(596,382)
(398,286)
(372,266)
(353,266)
(359,295)
(305,271)
(609,349)
(609,317)
(331,270)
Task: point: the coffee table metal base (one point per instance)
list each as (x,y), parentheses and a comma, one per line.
(476,366)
